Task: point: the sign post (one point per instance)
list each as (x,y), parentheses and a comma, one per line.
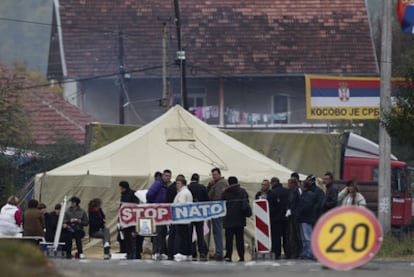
(262,226)
(346,237)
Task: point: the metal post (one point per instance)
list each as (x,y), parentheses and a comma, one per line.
(121,78)
(181,58)
(221,103)
(384,177)
(164,101)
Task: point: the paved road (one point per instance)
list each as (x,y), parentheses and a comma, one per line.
(148,268)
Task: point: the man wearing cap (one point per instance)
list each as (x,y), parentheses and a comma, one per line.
(73,222)
(320,195)
(200,194)
(131,242)
(306,216)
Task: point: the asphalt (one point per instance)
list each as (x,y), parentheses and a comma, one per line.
(285,268)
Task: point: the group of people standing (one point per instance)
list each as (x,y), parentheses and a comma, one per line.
(295,210)
(175,242)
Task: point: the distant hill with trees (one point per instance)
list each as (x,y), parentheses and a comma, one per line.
(25,43)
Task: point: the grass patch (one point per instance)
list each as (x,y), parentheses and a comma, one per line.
(24,259)
(397,248)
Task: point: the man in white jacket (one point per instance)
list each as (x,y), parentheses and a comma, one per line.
(182,243)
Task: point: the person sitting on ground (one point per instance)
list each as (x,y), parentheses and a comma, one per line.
(350,195)
(11,218)
(97,227)
(73,222)
(33,220)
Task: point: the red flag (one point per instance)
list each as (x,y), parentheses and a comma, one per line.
(405,14)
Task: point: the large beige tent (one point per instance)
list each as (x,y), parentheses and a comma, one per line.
(176,140)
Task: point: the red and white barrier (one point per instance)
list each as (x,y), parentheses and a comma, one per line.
(262,226)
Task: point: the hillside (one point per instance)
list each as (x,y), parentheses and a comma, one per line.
(25,42)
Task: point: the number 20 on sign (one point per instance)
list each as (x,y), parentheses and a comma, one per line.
(346,237)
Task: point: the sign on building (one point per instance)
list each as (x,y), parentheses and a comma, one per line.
(330,97)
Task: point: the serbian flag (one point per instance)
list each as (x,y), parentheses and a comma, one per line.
(405,13)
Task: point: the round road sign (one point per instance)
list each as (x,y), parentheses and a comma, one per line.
(346,237)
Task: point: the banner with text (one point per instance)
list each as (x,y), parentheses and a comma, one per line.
(164,214)
(329,97)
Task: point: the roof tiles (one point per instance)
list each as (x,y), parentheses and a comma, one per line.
(221,37)
(50,116)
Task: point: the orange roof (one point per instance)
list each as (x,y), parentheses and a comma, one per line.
(50,116)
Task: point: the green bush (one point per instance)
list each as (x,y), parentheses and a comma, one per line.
(24,259)
(401,248)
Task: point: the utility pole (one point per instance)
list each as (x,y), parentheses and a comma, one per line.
(181,60)
(164,100)
(121,77)
(384,176)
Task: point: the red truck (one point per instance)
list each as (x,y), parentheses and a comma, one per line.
(360,159)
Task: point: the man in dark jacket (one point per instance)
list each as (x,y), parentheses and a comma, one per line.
(278,199)
(320,195)
(306,215)
(51,223)
(331,195)
(295,240)
(132,243)
(235,219)
(157,193)
(264,190)
(200,194)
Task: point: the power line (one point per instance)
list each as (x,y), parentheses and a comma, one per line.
(92,77)
(70,26)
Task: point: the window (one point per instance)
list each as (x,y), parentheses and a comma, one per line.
(280,108)
(196,97)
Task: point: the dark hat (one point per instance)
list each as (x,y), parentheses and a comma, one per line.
(275,180)
(295,175)
(124,184)
(75,199)
(232,180)
(311,178)
(195,177)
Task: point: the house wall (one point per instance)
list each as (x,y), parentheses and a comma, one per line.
(254,95)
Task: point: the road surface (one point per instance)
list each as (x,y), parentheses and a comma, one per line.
(285,268)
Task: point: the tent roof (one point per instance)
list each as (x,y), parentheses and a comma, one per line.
(180,142)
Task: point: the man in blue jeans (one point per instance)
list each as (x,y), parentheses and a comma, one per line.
(157,193)
(215,191)
(306,215)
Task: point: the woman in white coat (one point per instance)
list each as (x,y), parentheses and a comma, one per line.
(350,196)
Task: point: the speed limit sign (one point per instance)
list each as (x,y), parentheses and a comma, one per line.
(346,237)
